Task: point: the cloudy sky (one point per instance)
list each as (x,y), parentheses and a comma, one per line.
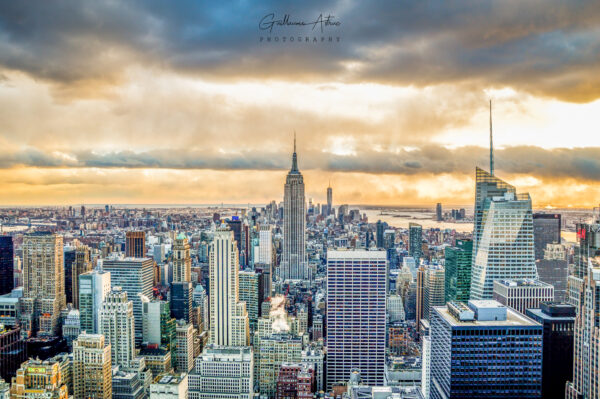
(190,102)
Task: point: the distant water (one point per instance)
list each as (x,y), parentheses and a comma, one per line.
(400,218)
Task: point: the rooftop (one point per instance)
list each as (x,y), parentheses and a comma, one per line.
(522,283)
(357,254)
(513,318)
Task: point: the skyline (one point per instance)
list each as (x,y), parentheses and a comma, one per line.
(136,103)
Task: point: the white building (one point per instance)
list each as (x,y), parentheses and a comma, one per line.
(395,308)
(265,245)
(170,386)
(92,375)
(223,372)
(426,366)
(228,316)
(93,288)
(118,326)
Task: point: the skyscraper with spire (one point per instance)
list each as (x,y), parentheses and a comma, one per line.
(503,246)
(293,264)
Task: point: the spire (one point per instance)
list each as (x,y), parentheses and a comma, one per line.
(491,143)
(294,157)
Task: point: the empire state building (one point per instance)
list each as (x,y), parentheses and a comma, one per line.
(294,265)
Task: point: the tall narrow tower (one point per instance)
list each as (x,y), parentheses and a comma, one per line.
(228,316)
(293,264)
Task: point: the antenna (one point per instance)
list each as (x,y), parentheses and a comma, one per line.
(294,140)
(491,143)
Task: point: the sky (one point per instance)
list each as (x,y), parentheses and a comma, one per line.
(160,102)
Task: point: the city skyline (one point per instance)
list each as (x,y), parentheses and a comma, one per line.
(131,103)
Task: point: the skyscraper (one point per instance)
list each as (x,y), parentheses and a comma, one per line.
(159,327)
(415,241)
(251,292)
(185,346)
(558,320)
(6,265)
(44,284)
(117,326)
(546,230)
(81,264)
(135,244)
(265,245)
(93,288)
(228,316)
(438,212)
(503,237)
(293,263)
(521,295)
(433,290)
(356,323)
(484,351)
(329,199)
(92,374)
(135,277)
(586,357)
(458,271)
(182,262)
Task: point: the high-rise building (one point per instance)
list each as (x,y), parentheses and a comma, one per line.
(251,292)
(235,225)
(182,300)
(159,328)
(587,252)
(223,372)
(586,357)
(458,271)
(135,244)
(200,300)
(170,386)
(228,316)
(521,295)
(415,242)
(426,366)
(329,200)
(44,284)
(484,350)
(503,246)
(92,374)
(265,245)
(395,308)
(276,349)
(77,261)
(433,290)
(420,294)
(135,277)
(117,326)
(294,264)
(185,346)
(182,262)
(6,265)
(127,385)
(554,270)
(380,228)
(39,379)
(558,322)
(438,212)
(12,351)
(356,323)
(93,288)
(546,230)
(316,357)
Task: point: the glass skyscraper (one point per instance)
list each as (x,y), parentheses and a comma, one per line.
(356,315)
(458,271)
(415,241)
(503,245)
(6,265)
(484,350)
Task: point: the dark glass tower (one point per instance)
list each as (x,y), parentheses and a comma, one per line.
(546,230)
(458,271)
(558,321)
(7,282)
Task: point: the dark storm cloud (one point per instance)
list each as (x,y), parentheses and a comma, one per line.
(576,163)
(547,47)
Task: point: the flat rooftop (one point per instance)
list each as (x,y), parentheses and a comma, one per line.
(522,283)
(513,319)
(357,254)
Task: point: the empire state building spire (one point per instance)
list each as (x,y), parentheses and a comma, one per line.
(491,144)
(294,157)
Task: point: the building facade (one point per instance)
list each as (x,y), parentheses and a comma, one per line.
(521,295)
(457,267)
(7,282)
(117,325)
(294,265)
(484,350)
(93,288)
(92,372)
(356,323)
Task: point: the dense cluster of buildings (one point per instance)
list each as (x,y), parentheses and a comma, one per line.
(298,300)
